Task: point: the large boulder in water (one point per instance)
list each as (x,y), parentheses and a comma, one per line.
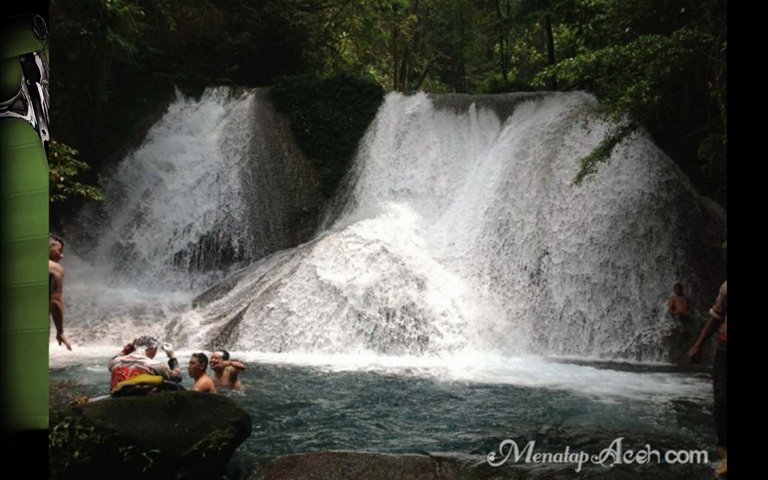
(172,435)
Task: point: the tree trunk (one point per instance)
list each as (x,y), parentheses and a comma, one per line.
(503,40)
(405,70)
(395,60)
(550,49)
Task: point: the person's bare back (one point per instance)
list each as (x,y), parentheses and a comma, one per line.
(204,384)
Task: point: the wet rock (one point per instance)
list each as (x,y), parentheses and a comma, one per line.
(173,435)
(355,465)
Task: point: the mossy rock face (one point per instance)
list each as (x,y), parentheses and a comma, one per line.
(328,116)
(174,435)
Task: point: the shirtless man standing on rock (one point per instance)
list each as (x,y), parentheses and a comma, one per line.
(55,287)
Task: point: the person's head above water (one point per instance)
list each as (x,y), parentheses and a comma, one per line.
(218,357)
(55,248)
(148,343)
(198,364)
(678,289)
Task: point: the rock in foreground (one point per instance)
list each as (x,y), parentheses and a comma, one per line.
(173,435)
(357,465)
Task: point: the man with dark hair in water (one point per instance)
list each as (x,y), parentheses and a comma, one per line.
(135,372)
(55,287)
(226,371)
(198,364)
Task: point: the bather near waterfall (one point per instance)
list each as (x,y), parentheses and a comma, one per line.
(135,372)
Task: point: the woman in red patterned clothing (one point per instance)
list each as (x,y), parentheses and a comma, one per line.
(134,372)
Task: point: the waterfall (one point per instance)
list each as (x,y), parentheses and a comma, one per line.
(217,183)
(456,231)
(459,230)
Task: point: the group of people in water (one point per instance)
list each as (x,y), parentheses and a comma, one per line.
(135,371)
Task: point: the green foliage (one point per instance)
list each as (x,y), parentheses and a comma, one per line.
(99,90)
(114,64)
(328,116)
(64,168)
(662,63)
(629,78)
(73,444)
(602,152)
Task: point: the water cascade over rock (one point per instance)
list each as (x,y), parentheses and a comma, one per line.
(457,230)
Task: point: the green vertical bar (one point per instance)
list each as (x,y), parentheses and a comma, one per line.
(23,250)
(24,279)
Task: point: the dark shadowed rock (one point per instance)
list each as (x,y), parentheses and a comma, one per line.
(376,466)
(357,465)
(173,435)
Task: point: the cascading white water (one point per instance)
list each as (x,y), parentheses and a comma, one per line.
(182,185)
(459,231)
(211,188)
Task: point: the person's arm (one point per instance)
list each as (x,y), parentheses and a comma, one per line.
(716,318)
(127,349)
(57,312)
(174,371)
(236,364)
(706,332)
